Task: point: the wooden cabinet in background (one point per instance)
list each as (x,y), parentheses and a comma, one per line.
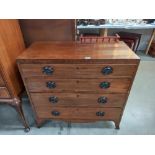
(47,30)
(152,49)
(11,45)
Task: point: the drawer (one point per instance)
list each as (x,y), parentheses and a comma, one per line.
(78,70)
(4,93)
(82,100)
(1,81)
(78,85)
(79,113)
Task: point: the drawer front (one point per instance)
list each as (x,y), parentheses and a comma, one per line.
(1,81)
(78,70)
(4,93)
(79,113)
(82,100)
(78,85)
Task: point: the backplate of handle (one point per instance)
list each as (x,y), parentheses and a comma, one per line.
(55,113)
(107,70)
(104,85)
(53,99)
(102,100)
(48,70)
(51,84)
(100,113)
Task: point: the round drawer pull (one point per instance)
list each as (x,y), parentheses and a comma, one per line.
(55,113)
(53,99)
(107,70)
(102,100)
(104,85)
(100,113)
(48,70)
(51,84)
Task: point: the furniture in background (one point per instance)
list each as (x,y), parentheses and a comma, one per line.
(129,42)
(104,29)
(131,39)
(11,45)
(78,82)
(152,49)
(47,30)
(86,22)
(98,39)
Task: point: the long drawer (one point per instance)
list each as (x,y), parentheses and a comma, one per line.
(80,100)
(78,70)
(48,84)
(4,93)
(79,113)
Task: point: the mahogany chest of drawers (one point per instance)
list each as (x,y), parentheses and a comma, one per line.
(78,82)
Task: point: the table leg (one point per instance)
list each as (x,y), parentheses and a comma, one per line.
(149,44)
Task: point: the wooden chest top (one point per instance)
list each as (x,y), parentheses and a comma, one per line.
(73,51)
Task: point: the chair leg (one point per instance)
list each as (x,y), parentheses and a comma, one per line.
(18,106)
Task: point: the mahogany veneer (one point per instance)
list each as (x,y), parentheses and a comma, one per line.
(78,82)
(47,30)
(11,45)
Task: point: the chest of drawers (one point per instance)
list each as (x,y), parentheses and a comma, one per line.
(78,82)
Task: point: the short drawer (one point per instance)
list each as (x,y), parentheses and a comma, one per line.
(1,81)
(78,85)
(82,100)
(78,70)
(4,93)
(79,113)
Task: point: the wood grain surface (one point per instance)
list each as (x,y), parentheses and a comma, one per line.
(75,52)
(11,45)
(4,93)
(78,70)
(78,85)
(81,100)
(1,80)
(47,30)
(79,113)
